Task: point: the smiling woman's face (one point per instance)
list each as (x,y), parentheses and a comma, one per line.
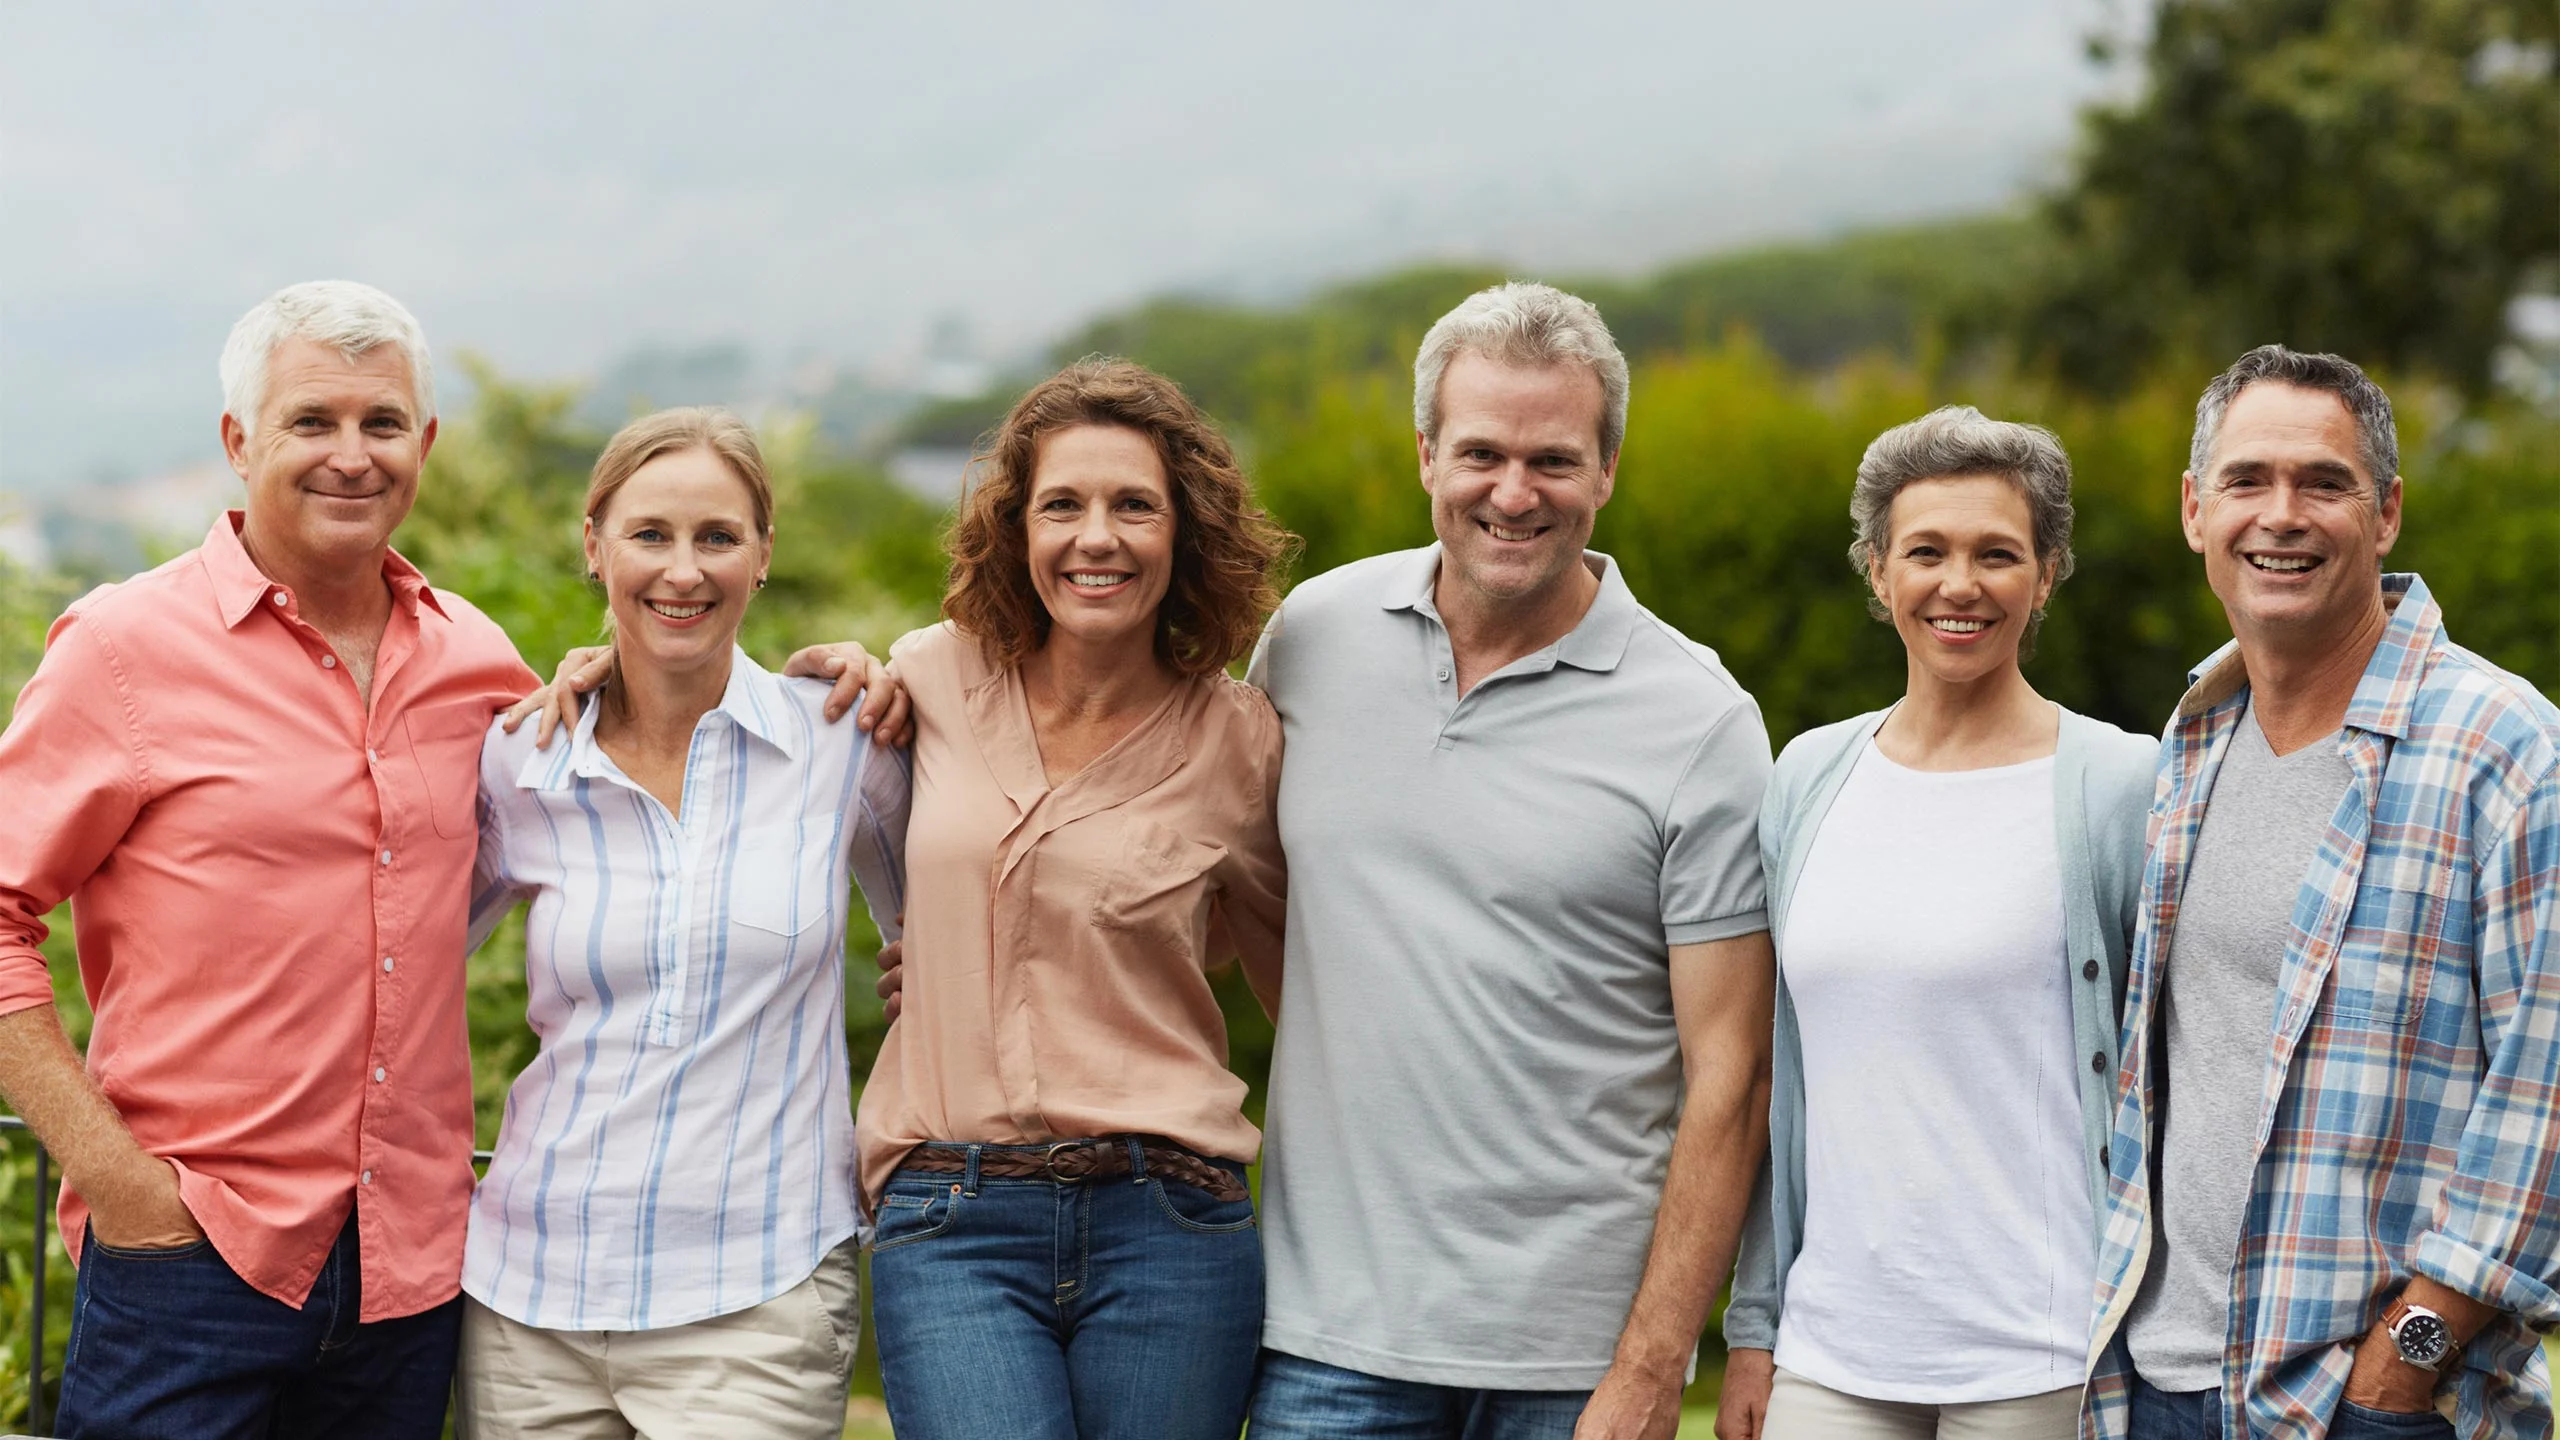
(1958,574)
(678,553)
(1100,526)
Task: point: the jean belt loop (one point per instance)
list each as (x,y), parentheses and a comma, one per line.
(1137,1159)
(969,1181)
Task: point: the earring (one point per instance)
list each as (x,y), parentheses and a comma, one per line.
(760,582)
(594,579)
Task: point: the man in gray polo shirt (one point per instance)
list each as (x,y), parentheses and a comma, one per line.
(1520,1092)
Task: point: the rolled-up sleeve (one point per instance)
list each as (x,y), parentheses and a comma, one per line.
(71,767)
(2499,1239)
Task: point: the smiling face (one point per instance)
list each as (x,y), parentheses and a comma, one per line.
(1516,475)
(1958,574)
(331,460)
(678,552)
(2286,517)
(1100,523)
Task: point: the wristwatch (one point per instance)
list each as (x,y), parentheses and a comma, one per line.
(2421,1334)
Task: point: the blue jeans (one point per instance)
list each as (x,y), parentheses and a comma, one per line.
(1301,1399)
(172,1343)
(2197,1415)
(1035,1309)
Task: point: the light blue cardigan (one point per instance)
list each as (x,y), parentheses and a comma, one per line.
(2102,786)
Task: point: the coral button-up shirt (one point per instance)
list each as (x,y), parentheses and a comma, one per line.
(1056,934)
(269,882)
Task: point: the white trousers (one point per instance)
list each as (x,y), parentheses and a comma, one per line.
(775,1371)
(1799,1409)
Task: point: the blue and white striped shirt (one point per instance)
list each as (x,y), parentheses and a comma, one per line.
(682,1147)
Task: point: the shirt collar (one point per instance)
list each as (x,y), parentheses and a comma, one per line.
(756,701)
(2388,691)
(1596,642)
(240,587)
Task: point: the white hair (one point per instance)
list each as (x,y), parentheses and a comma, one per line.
(350,317)
(1524,323)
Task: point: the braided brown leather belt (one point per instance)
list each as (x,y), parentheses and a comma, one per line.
(1071,1161)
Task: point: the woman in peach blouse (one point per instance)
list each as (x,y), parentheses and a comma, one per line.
(1053,1149)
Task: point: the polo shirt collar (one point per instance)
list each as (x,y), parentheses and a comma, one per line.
(1596,642)
(2388,691)
(756,701)
(240,587)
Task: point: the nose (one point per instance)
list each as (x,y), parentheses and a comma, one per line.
(1959,581)
(684,568)
(349,455)
(1093,532)
(1513,494)
(2282,512)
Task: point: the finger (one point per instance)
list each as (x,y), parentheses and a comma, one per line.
(516,712)
(549,721)
(593,673)
(891,956)
(896,725)
(889,1010)
(849,684)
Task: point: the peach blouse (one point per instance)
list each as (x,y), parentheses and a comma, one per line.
(1057,937)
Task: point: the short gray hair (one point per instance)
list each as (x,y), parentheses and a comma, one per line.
(350,317)
(2377,438)
(1524,323)
(1960,440)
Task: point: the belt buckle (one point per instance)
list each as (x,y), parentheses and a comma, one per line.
(1049,1161)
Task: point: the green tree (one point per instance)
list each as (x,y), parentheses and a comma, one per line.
(2372,177)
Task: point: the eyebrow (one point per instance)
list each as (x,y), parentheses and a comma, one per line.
(2260,469)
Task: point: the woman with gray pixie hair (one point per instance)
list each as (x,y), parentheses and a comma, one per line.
(1952,886)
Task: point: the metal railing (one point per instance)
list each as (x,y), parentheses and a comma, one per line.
(39,1414)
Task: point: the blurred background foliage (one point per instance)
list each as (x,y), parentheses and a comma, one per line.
(2378,177)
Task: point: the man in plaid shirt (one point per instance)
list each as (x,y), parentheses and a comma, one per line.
(2331,1201)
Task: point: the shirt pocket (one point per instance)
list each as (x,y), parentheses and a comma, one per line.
(444,745)
(1159,886)
(2389,955)
(779,886)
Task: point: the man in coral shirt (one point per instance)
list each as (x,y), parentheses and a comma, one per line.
(252,770)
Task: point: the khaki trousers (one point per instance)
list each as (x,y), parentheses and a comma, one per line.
(1802,1410)
(775,1371)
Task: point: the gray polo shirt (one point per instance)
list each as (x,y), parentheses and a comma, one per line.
(1478,1078)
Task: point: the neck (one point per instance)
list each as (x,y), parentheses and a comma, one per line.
(2301,681)
(657,709)
(1097,679)
(1994,719)
(1490,631)
(332,594)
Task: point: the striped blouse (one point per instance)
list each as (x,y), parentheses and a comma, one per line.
(682,1147)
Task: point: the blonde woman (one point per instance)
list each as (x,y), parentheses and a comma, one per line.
(664,1244)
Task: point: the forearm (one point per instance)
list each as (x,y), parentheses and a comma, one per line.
(41,1077)
(1724,1130)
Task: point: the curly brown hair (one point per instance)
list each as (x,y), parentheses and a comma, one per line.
(1227,552)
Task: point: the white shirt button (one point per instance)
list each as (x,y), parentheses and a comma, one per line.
(373,755)
(1442,672)
(328,662)
(365,1179)
(386,859)
(386,964)
(380,1074)
(283,599)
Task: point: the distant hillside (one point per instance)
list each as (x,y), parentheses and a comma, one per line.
(1811,304)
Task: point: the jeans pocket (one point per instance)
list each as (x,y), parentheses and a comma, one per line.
(910,1212)
(2354,1421)
(1196,1209)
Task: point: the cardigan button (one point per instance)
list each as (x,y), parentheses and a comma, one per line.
(2098,1063)
(2103,1160)
(2089,970)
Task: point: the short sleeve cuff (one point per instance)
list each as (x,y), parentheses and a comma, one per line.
(1726,927)
(2501,1286)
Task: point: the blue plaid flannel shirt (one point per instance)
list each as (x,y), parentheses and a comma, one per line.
(2409,1121)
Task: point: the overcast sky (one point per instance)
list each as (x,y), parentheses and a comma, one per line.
(555,185)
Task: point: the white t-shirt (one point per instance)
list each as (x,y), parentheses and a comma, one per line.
(1948,1238)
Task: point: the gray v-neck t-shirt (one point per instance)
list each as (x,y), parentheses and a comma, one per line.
(1478,1077)
(2262,824)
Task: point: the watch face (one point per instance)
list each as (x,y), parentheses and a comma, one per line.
(2423,1339)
